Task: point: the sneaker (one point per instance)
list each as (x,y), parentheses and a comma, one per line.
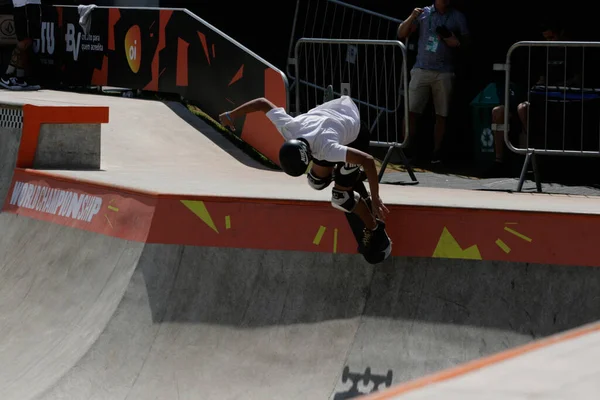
(12,83)
(328,96)
(5,81)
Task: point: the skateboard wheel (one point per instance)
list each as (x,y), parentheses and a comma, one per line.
(388,378)
(345,374)
(367,376)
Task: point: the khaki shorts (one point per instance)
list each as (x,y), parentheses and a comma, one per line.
(422,82)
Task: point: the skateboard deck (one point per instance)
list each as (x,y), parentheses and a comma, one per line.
(357,226)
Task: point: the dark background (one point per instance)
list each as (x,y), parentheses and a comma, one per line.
(266,27)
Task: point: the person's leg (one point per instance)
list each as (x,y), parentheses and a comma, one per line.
(498,119)
(498,168)
(27,21)
(522,111)
(16,63)
(34,31)
(418,96)
(320,175)
(344,197)
(442,89)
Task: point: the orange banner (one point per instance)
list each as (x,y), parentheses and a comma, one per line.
(545,238)
(416,231)
(80,206)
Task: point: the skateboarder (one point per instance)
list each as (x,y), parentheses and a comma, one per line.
(333,138)
(27,20)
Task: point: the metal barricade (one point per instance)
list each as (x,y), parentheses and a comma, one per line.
(372,72)
(561,110)
(334,19)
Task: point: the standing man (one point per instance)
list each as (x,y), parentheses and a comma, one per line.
(442,31)
(28,21)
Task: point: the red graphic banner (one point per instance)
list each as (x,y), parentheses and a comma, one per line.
(544,238)
(80,206)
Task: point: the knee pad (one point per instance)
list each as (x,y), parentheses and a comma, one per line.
(344,200)
(317,183)
(347,175)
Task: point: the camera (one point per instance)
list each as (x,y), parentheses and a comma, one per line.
(443,31)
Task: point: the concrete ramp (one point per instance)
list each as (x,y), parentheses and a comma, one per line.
(425,315)
(59,288)
(88,316)
(214,324)
(181,288)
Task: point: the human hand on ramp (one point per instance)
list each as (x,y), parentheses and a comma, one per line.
(227,121)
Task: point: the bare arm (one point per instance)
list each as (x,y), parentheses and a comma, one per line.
(260,104)
(354,156)
(408,26)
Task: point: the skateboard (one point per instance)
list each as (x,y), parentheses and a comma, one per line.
(367,378)
(357,227)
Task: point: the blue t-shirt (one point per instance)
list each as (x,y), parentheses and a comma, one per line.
(442,58)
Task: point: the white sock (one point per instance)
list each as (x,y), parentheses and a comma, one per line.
(10,70)
(20,73)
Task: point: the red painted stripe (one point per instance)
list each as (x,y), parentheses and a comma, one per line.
(123,215)
(545,238)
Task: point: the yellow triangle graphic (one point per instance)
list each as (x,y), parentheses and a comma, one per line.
(448,247)
(198,208)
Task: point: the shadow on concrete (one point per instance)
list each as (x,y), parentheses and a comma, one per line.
(205,129)
(251,288)
(417,316)
(407,317)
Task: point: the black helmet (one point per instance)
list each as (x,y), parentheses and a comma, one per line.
(294,157)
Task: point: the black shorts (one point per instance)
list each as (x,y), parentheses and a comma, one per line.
(28,22)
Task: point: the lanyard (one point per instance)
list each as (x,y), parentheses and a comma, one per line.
(431,17)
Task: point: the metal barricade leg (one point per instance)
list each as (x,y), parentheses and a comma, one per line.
(524,172)
(530,158)
(405,162)
(536,173)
